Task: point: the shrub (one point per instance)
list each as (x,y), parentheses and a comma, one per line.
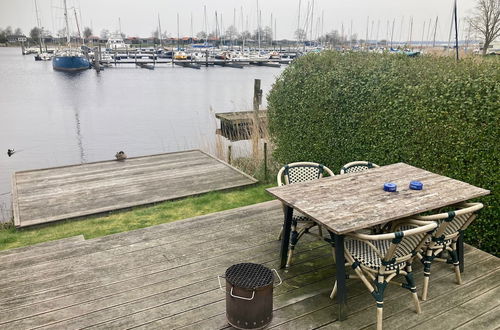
(430,112)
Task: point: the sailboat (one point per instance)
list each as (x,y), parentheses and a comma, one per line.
(69,59)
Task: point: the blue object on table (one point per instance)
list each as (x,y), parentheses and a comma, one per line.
(391,187)
(416,185)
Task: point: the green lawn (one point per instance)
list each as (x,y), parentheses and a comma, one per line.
(116,222)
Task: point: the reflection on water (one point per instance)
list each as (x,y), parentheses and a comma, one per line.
(58,118)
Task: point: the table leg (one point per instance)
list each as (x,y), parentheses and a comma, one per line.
(460,251)
(285,239)
(341,296)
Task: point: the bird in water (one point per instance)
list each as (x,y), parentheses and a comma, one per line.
(10,152)
(120,155)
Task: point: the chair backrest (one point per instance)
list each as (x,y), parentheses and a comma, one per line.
(301,172)
(357,166)
(401,244)
(451,223)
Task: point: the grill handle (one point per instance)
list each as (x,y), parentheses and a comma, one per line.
(239,297)
(281,281)
(231,292)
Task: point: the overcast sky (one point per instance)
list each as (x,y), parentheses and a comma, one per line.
(140,18)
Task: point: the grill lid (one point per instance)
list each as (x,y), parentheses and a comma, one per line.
(249,275)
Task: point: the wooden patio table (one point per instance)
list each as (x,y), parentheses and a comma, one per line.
(350,202)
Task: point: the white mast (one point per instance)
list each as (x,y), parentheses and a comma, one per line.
(159,31)
(68,38)
(39,24)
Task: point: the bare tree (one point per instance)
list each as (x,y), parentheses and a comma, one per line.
(300,34)
(201,35)
(486,21)
(87,32)
(104,34)
(231,32)
(36,34)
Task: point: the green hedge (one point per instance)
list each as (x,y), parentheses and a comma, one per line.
(430,112)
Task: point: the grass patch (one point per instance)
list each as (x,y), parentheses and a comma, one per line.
(139,217)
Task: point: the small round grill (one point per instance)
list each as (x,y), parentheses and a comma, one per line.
(249,275)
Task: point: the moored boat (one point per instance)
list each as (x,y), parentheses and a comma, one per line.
(69,59)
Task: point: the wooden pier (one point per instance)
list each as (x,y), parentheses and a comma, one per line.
(237,126)
(52,194)
(165,277)
(211,62)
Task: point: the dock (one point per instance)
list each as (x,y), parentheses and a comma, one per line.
(165,277)
(51,194)
(237,126)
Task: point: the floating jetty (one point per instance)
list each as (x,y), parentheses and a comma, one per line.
(276,63)
(51,194)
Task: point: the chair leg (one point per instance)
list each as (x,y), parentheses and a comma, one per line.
(293,240)
(320,231)
(334,291)
(458,276)
(417,303)
(427,273)
(456,263)
(380,315)
(410,285)
(280,235)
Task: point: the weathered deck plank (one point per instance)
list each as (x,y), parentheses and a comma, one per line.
(58,193)
(164,277)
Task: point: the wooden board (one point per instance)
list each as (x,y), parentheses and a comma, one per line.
(165,277)
(353,201)
(58,193)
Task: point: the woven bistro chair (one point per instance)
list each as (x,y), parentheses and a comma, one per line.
(357,166)
(377,259)
(444,239)
(295,173)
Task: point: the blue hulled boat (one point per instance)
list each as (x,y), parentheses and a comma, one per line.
(70,61)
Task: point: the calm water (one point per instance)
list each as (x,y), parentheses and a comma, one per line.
(52,118)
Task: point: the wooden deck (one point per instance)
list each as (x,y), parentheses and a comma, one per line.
(165,277)
(58,193)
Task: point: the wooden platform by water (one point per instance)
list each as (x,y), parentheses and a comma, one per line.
(52,194)
(165,277)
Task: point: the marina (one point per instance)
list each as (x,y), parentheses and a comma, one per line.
(83,117)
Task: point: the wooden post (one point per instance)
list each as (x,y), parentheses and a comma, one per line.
(206,58)
(257,95)
(115,56)
(229,155)
(265,161)
(97,59)
(257,100)
(22,48)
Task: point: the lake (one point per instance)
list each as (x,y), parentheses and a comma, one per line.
(54,118)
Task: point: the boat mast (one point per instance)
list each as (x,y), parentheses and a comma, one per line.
(178,36)
(77,26)
(39,24)
(68,38)
(242,32)
(435,29)
(206,24)
(159,31)
(392,31)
